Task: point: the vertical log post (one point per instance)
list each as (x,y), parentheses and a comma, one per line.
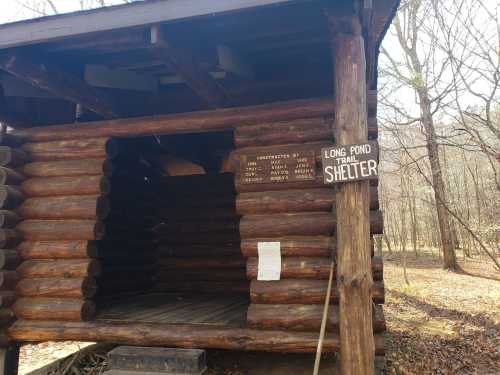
(352,208)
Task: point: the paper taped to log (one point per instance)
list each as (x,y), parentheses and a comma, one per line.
(269,261)
(275,167)
(350,162)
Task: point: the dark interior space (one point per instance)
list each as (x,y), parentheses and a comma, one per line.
(171,252)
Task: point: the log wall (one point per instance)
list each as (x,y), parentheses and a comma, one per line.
(11,197)
(62,215)
(301,216)
(198,237)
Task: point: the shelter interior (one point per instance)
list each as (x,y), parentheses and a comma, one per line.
(171,252)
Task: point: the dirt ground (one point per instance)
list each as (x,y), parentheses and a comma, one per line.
(441,323)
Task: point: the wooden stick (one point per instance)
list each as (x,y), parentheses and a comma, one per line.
(322,330)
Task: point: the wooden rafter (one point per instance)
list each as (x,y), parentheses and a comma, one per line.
(185,64)
(47,76)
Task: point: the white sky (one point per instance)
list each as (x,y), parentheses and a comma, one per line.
(13,10)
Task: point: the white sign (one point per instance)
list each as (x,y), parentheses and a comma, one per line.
(269,261)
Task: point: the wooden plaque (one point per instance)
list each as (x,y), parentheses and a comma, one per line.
(350,162)
(278,167)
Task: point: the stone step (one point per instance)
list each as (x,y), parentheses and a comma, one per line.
(150,361)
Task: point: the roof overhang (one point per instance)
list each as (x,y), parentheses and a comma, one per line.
(117,17)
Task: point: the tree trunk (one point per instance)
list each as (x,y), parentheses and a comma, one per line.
(449,256)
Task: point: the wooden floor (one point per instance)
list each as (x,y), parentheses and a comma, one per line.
(171,308)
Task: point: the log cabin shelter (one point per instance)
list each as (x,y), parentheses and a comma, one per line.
(153,152)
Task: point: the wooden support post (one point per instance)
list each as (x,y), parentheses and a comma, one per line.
(354,277)
(9,359)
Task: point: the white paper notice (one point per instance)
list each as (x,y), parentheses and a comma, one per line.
(269,261)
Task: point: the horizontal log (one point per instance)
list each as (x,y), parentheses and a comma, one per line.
(8,219)
(57,249)
(222,226)
(304,200)
(295,291)
(292,132)
(285,132)
(182,263)
(199,239)
(9,259)
(64,168)
(12,157)
(188,286)
(67,207)
(75,185)
(220,119)
(201,274)
(72,149)
(63,287)
(10,197)
(108,245)
(41,230)
(129,271)
(7,298)
(53,268)
(64,309)
(10,177)
(302,317)
(177,335)
(318,182)
(112,287)
(308,268)
(8,279)
(195,184)
(301,224)
(314,246)
(9,238)
(188,251)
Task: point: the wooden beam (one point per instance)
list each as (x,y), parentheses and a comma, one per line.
(47,76)
(186,65)
(221,119)
(175,335)
(354,278)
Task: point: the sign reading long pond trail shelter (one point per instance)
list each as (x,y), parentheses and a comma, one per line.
(350,162)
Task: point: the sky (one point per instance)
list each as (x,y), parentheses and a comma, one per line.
(15,10)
